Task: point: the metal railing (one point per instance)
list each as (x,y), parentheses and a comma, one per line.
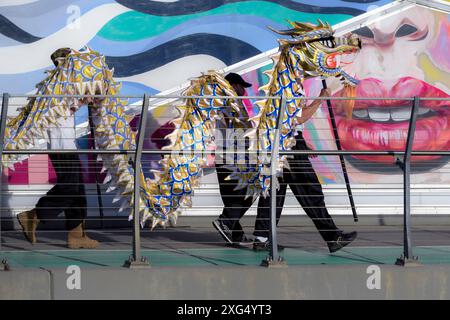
(403,160)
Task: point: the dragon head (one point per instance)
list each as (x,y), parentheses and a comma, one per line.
(315,51)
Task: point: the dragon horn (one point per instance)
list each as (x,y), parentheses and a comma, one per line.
(292,23)
(287,32)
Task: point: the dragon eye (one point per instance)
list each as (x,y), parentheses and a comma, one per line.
(329,42)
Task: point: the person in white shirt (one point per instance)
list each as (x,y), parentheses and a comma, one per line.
(68,194)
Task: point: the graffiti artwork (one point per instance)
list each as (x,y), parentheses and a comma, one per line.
(403,56)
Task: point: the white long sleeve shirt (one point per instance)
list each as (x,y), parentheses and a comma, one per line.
(63,136)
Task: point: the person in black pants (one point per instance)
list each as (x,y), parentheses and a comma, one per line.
(235,206)
(305,185)
(235,202)
(68,194)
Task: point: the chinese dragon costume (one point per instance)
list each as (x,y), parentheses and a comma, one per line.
(311,51)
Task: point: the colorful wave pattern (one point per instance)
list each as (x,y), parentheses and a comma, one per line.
(152,45)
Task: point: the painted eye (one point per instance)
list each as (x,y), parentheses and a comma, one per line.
(364,32)
(405,30)
(331,61)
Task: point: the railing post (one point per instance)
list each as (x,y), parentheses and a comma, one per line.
(274,260)
(4,114)
(407,259)
(137,260)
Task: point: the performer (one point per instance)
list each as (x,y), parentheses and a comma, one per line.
(235,202)
(68,194)
(306,187)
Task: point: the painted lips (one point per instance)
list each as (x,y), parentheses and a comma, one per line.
(383,124)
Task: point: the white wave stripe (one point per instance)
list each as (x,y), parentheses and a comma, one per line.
(33,56)
(176,72)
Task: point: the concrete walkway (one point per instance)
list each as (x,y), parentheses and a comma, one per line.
(190,261)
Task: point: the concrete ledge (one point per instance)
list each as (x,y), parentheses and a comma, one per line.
(239,283)
(29,284)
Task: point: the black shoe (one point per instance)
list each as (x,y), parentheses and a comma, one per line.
(224,230)
(242,241)
(341,241)
(258,245)
(238,234)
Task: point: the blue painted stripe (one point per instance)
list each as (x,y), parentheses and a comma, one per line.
(46,17)
(130,88)
(27,19)
(183,7)
(26,82)
(8,42)
(358,4)
(10,30)
(226,49)
(21,82)
(250,29)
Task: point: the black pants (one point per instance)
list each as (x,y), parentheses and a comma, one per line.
(303,182)
(67,195)
(235,204)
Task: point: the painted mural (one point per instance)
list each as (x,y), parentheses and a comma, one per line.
(402,56)
(152,45)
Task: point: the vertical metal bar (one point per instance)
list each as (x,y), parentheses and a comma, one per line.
(341,157)
(99,192)
(274,256)
(4,114)
(137,259)
(407,244)
(407,247)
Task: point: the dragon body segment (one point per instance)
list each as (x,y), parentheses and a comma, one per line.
(312,51)
(181,169)
(265,122)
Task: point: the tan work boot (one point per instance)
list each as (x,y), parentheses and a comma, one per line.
(77,239)
(28,221)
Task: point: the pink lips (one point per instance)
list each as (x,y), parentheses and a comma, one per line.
(432,129)
(406,87)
